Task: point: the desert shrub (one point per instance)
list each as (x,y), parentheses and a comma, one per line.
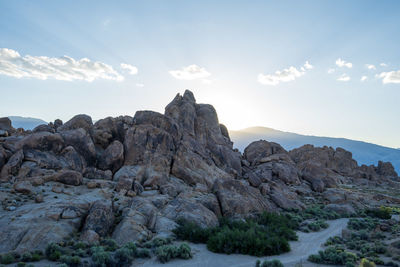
(36,256)
(317,225)
(53,251)
(191,231)
(376,260)
(317,212)
(109,244)
(101,258)
(157,242)
(80,245)
(142,253)
(366,263)
(168,252)
(381,213)
(266,235)
(253,241)
(70,260)
(335,256)
(21,264)
(79,252)
(334,240)
(26,257)
(362,224)
(278,225)
(124,256)
(7,258)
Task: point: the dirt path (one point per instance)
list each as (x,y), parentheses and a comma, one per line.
(309,243)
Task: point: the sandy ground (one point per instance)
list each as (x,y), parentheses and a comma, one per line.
(308,243)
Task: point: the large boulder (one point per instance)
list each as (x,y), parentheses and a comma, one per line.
(12,166)
(337,160)
(113,157)
(109,129)
(386,169)
(269,161)
(5,125)
(258,150)
(152,147)
(69,177)
(201,133)
(81,141)
(238,199)
(126,177)
(79,121)
(100,218)
(138,218)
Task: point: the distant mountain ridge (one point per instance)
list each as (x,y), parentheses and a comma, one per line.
(363,152)
(25,122)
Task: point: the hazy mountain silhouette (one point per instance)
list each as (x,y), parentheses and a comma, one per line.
(25,122)
(363,152)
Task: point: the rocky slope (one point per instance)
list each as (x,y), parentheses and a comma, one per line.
(132,178)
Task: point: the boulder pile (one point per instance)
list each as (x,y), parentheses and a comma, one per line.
(132,178)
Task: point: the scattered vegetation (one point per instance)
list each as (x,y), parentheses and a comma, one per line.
(266,235)
(167,252)
(334,256)
(272,263)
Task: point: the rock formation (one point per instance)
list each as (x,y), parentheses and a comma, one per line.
(132,178)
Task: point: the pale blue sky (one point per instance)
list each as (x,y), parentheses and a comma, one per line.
(230,43)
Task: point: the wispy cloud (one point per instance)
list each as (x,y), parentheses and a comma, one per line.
(330,71)
(390,77)
(286,75)
(344,78)
(60,68)
(191,72)
(383,64)
(364,78)
(370,66)
(140,85)
(341,63)
(131,69)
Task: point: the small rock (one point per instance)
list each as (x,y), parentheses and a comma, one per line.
(57,189)
(39,198)
(131,193)
(92,185)
(11,208)
(24,187)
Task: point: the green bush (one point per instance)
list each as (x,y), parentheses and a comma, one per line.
(101,258)
(80,245)
(381,213)
(109,244)
(7,258)
(333,255)
(366,263)
(266,235)
(191,231)
(317,225)
(362,224)
(53,251)
(36,257)
(70,260)
(168,252)
(142,253)
(124,256)
(157,242)
(26,257)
